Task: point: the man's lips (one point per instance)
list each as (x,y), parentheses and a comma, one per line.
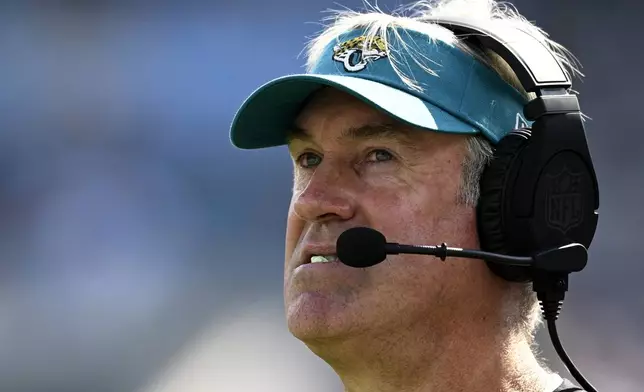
(311,250)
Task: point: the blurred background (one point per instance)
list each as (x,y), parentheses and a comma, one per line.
(141,252)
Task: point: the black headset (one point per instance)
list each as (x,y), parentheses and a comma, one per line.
(540,189)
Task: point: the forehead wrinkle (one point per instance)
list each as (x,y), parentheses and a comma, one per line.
(380,131)
(383,131)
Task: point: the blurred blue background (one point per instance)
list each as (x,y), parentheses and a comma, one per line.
(141,252)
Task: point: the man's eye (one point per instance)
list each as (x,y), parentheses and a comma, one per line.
(380,156)
(309,160)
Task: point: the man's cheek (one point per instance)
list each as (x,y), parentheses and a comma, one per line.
(397,205)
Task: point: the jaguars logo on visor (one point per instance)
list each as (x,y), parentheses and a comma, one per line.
(356,53)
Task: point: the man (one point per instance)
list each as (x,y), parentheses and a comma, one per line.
(391,129)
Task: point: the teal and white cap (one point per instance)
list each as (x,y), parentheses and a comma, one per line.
(465,96)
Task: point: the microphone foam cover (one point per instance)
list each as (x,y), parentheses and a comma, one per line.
(361,247)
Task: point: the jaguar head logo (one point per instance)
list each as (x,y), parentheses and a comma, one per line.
(356,53)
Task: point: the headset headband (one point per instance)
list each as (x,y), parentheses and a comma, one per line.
(533,62)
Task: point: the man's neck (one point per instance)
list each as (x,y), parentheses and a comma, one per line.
(411,362)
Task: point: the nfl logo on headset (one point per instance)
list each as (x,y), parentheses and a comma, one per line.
(564,204)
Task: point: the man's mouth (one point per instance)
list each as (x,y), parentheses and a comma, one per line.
(323,259)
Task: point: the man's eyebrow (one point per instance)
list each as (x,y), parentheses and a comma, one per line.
(368,131)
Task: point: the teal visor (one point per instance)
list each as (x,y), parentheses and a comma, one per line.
(464,97)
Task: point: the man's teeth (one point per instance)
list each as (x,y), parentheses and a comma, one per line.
(323,259)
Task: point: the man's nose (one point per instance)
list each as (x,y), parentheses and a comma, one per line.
(326,196)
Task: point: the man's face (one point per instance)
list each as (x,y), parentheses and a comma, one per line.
(355,166)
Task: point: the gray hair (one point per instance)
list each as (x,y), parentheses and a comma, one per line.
(521,311)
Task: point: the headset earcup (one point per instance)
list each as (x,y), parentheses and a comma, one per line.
(495,194)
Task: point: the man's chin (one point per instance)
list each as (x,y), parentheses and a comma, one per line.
(313,316)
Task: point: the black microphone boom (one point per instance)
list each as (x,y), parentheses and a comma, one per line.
(362,247)
(443,251)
